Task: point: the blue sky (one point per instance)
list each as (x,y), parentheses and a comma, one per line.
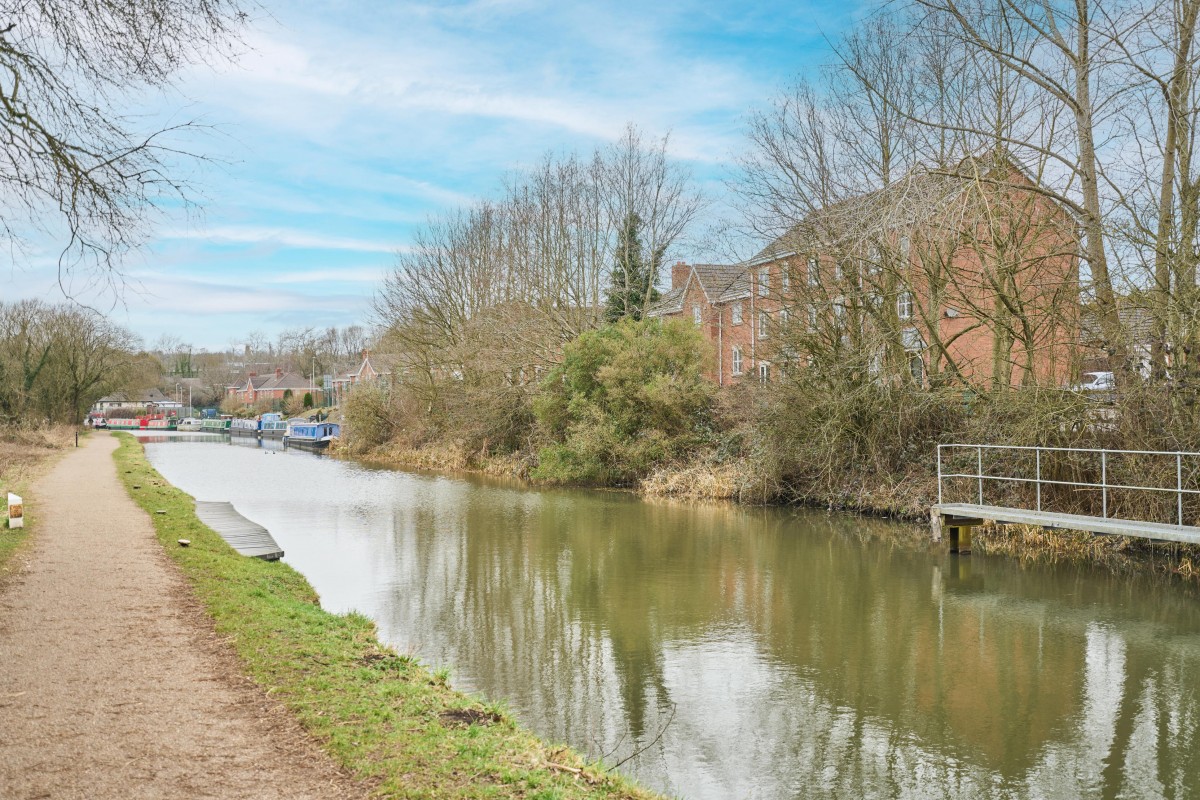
(344,124)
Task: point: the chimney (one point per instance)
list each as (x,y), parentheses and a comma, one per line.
(366,353)
(679,274)
(278,372)
(252,375)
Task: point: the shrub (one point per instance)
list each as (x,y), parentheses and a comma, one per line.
(626,398)
(308,400)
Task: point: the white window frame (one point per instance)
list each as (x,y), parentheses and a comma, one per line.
(697,316)
(764,282)
(785,277)
(736,360)
(904,305)
(814,271)
(764,372)
(763,324)
(735,313)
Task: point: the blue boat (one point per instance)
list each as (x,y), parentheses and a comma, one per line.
(310,435)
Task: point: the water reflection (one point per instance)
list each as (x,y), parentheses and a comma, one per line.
(792,654)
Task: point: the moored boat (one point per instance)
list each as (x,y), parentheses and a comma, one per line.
(244,427)
(310,435)
(125,424)
(215,425)
(274,426)
(160,423)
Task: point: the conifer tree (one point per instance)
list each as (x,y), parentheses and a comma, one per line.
(634,274)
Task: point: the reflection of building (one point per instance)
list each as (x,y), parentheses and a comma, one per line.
(959,279)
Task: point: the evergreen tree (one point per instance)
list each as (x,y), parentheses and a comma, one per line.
(634,274)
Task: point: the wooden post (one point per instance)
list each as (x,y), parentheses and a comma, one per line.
(935,522)
(960,539)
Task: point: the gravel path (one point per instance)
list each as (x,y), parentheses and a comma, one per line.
(112,681)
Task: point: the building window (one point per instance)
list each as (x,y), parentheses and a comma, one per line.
(916,368)
(783,317)
(762,324)
(696,315)
(735,313)
(785,277)
(764,372)
(905,247)
(764,285)
(737,361)
(814,271)
(813,317)
(904,305)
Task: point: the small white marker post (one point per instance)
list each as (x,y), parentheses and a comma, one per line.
(16,511)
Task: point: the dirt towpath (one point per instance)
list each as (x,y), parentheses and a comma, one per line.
(112,681)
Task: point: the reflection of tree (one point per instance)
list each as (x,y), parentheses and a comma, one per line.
(582,608)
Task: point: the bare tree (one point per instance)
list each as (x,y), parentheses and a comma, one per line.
(72,157)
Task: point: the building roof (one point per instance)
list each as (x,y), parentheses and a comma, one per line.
(922,194)
(719,282)
(288,380)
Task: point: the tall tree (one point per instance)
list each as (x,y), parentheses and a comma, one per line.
(634,274)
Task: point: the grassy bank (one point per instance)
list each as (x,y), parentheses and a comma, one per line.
(387,719)
(24,455)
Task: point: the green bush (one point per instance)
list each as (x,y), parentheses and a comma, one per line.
(626,398)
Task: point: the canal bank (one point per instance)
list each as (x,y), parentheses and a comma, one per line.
(380,714)
(904,499)
(114,683)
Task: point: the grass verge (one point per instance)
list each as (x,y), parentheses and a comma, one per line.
(382,715)
(24,455)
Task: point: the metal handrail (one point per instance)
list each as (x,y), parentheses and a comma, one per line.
(1104,486)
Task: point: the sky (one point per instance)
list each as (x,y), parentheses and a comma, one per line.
(343,126)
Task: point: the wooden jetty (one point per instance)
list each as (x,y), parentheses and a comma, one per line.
(958,519)
(248,538)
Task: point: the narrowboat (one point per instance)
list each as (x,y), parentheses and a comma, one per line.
(274,426)
(215,425)
(125,424)
(160,423)
(188,424)
(244,427)
(310,435)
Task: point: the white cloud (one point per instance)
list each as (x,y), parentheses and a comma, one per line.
(283,237)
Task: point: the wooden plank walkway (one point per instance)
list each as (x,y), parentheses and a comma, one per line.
(248,538)
(948,512)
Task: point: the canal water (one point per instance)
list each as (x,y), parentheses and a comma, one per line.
(744,652)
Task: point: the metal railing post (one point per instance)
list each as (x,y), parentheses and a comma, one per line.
(939,460)
(1104,481)
(979,471)
(1038,455)
(1179,488)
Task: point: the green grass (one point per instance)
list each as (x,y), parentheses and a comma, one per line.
(386,718)
(12,541)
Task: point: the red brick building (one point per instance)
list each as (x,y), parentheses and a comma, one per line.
(965,279)
(273,387)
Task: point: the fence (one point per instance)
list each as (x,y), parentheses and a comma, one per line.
(1143,485)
